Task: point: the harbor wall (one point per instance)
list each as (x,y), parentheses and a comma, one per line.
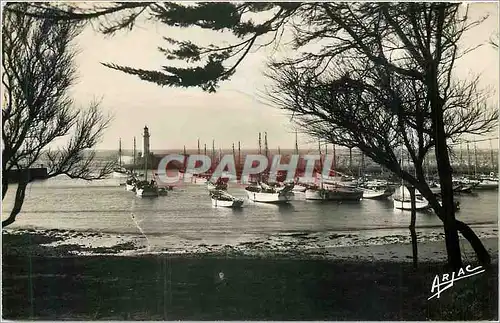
(30,174)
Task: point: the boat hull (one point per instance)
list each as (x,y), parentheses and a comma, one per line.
(376,194)
(406,205)
(130,187)
(299,188)
(487,185)
(212,186)
(223,203)
(333,195)
(116,174)
(278,197)
(146,193)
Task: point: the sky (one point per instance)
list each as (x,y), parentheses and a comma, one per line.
(177,117)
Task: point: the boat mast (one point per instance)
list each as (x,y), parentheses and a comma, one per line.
(296,144)
(260,145)
(213,156)
(239,154)
(320,164)
(461,155)
(120,151)
(279,151)
(205,150)
(266,149)
(350,160)
(468,159)
(238,168)
(184,151)
(334,161)
(135,153)
(491,156)
(475,160)
(199,146)
(363,165)
(146,152)
(402,180)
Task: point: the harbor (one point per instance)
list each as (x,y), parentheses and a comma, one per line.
(288,161)
(185,220)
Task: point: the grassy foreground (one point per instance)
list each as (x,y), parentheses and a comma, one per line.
(159,287)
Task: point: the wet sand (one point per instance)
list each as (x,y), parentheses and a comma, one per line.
(347,283)
(60,243)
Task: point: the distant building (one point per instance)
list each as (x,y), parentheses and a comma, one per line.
(145,147)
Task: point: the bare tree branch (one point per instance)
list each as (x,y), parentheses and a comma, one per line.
(38,71)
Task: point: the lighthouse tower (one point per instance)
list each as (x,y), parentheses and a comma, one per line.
(145,147)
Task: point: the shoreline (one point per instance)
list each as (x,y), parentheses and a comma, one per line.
(341,283)
(65,243)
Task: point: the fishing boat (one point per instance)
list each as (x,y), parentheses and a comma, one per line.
(376,194)
(221,198)
(120,171)
(163,191)
(218,185)
(333,193)
(402,200)
(262,192)
(487,183)
(300,188)
(130,184)
(147,189)
(376,190)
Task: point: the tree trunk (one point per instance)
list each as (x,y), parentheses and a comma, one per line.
(448,207)
(482,254)
(444,170)
(5,184)
(20,193)
(413,233)
(350,161)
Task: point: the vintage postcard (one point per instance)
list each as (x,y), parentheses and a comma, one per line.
(274,161)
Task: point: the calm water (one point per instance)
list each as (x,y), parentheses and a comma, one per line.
(185,217)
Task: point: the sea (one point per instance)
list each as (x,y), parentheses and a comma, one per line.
(185,221)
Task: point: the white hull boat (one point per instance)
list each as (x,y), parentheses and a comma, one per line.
(120,174)
(265,194)
(402,200)
(487,184)
(337,194)
(420,204)
(313,195)
(212,186)
(146,189)
(375,194)
(129,187)
(223,199)
(299,188)
(146,192)
(278,197)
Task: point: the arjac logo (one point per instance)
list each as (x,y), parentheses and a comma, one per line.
(447,280)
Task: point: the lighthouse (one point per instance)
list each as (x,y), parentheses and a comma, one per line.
(145,147)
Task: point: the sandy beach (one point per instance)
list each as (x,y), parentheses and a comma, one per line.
(43,281)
